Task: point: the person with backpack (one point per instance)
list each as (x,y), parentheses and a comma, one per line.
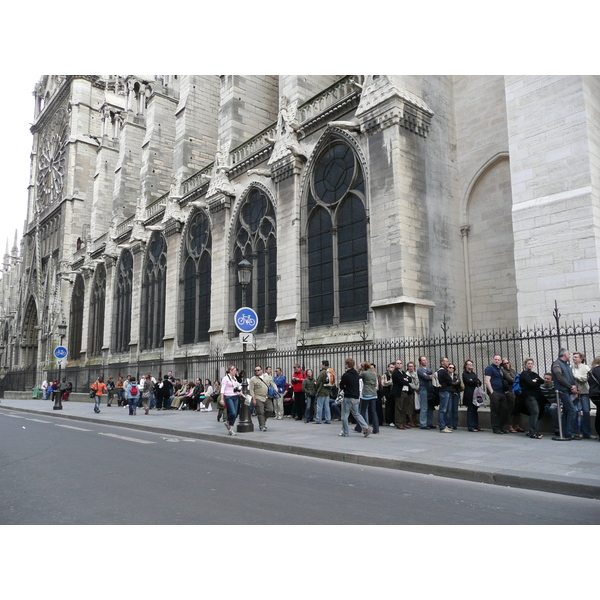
(132,393)
(325,381)
(533,398)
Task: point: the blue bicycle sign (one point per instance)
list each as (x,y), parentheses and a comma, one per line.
(60,352)
(246,320)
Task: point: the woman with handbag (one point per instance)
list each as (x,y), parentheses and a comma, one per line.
(471,382)
(231,390)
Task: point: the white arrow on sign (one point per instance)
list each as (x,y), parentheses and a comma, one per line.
(246,338)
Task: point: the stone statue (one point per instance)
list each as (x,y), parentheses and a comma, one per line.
(219,180)
(260,172)
(286,137)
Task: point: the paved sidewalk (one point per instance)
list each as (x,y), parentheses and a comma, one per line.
(571,468)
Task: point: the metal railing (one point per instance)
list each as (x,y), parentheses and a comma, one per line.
(540,343)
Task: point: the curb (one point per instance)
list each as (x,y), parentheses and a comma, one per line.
(557,485)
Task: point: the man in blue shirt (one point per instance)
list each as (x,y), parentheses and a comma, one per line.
(498,403)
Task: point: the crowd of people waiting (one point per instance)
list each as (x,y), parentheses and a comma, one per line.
(400,398)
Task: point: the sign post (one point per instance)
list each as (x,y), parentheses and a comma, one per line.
(60,352)
(246,320)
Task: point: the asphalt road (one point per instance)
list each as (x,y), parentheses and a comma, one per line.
(54,471)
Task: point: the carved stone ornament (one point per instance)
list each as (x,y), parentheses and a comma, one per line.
(52,157)
(384,102)
(286,137)
(219,180)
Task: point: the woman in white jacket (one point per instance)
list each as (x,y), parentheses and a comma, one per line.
(580,373)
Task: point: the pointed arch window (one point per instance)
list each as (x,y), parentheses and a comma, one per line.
(76,319)
(122,312)
(30,334)
(97,304)
(196,281)
(255,239)
(336,244)
(154,287)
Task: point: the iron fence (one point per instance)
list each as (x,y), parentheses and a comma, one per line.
(540,343)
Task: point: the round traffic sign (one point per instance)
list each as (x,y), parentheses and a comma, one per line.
(246,320)
(60,352)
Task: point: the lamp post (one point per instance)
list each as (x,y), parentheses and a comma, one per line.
(62,331)
(245,425)
(2,348)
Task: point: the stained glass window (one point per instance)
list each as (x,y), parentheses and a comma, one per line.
(256,240)
(195,312)
(337,251)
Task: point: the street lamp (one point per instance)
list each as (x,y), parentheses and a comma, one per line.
(62,331)
(2,348)
(245,425)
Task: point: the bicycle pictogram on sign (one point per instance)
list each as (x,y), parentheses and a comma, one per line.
(246,320)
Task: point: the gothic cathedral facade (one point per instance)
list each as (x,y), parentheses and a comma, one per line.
(378,204)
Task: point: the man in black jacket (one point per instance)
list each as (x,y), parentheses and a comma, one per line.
(349,384)
(400,389)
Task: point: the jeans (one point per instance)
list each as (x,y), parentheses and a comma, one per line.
(569,415)
(368,405)
(349,405)
(452,411)
(584,406)
(323,410)
(132,401)
(443,407)
(310,408)
(534,411)
(232,403)
(553,412)
(97,400)
(426,418)
(335,409)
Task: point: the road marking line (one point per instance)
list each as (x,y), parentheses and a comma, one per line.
(122,437)
(15,416)
(37,420)
(72,427)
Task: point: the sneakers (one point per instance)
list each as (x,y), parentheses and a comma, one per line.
(367,432)
(391,425)
(446,430)
(209,409)
(342,434)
